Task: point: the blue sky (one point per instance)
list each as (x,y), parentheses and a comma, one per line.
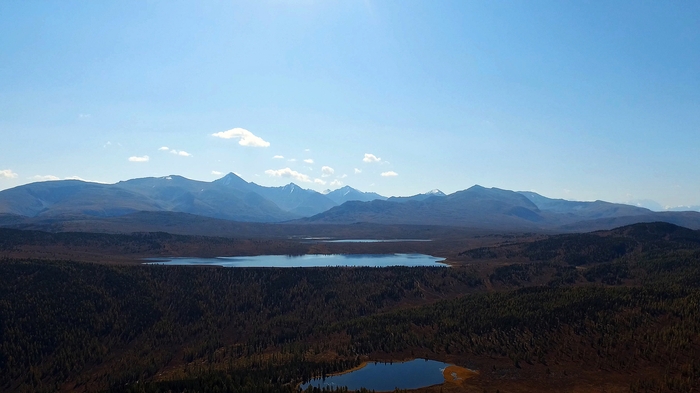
(579,100)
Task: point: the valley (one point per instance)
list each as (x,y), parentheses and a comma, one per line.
(529,312)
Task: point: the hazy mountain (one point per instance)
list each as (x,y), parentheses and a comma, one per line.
(295,199)
(72,197)
(230,198)
(476,207)
(584,210)
(348,193)
(209,199)
(498,209)
(647,204)
(171,193)
(685,209)
(418,197)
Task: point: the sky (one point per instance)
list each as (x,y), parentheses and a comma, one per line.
(581,100)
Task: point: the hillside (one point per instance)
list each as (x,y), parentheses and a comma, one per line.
(615,310)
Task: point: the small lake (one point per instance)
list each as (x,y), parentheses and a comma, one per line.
(309,260)
(327,240)
(415,374)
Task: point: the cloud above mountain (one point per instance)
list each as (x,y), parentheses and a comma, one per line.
(139,158)
(45,177)
(389,174)
(288,173)
(246,138)
(7,174)
(327,171)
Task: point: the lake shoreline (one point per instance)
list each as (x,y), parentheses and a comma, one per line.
(461,372)
(306,261)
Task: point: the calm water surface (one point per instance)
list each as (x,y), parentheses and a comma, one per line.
(327,240)
(415,374)
(343,260)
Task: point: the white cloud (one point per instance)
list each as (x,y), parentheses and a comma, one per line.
(389,174)
(320,181)
(217,173)
(45,178)
(277,157)
(8,174)
(246,137)
(309,161)
(327,171)
(164,148)
(336,183)
(139,159)
(371,158)
(343,176)
(289,173)
(181,153)
(292,160)
(75,178)
(54,178)
(84,115)
(307,150)
(358,171)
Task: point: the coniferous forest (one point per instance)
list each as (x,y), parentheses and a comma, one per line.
(620,308)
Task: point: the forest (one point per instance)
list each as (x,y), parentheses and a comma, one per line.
(620,308)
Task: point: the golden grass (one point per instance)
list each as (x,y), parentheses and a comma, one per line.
(457,375)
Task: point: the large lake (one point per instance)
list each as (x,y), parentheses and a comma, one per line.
(333,260)
(415,374)
(328,240)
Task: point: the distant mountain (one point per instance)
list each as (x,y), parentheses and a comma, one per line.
(418,197)
(685,208)
(584,210)
(493,208)
(347,193)
(171,193)
(290,198)
(72,197)
(295,199)
(475,207)
(232,198)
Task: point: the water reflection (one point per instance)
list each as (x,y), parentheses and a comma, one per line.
(311,260)
(414,374)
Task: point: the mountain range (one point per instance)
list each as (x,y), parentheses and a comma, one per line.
(497,209)
(232,198)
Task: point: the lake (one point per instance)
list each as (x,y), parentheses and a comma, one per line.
(309,260)
(327,240)
(415,374)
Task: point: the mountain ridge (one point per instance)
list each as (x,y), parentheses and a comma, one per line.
(232,198)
